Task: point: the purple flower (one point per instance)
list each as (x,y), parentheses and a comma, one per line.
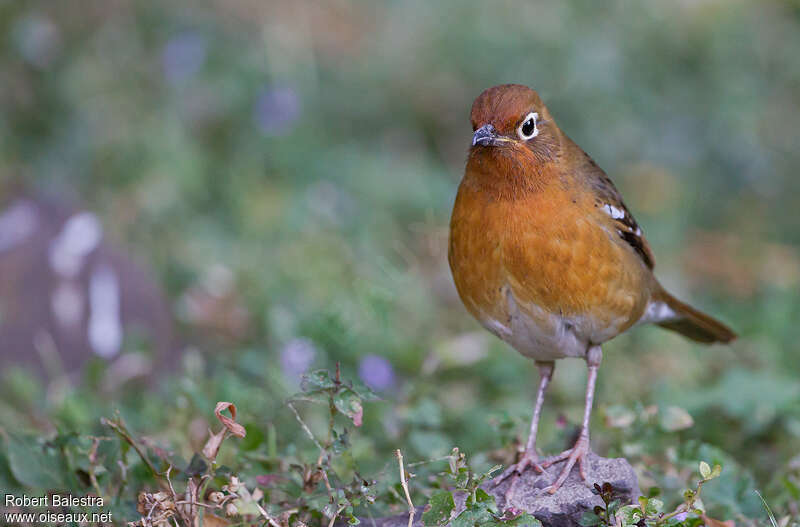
(296,357)
(277,108)
(376,372)
(183,56)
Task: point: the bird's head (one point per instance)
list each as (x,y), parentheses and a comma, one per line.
(512,118)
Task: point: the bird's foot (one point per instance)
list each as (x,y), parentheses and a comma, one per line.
(528,460)
(576,454)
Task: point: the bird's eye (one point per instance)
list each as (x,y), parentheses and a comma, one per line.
(527,130)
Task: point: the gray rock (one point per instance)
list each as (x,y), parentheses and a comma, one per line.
(564,508)
(69,295)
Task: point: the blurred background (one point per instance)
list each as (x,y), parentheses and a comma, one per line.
(202,201)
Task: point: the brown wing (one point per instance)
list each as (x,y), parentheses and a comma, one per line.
(609,200)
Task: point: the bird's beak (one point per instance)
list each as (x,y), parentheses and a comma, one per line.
(486,135)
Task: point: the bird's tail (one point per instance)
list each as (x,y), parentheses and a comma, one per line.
(692,323)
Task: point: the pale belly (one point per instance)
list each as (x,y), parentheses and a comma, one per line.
(550,289)
(541,335)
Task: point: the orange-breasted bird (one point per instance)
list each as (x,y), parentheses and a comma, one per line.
(545,254)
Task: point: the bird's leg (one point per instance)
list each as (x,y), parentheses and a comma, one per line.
(529,457)
(578,452)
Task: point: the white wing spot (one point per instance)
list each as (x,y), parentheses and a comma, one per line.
(658,312)
(614,212)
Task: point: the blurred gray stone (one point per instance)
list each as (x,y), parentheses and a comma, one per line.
(562,509)
(67,295)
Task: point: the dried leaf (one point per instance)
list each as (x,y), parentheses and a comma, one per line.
(210,520)
(229,422)
(211,449)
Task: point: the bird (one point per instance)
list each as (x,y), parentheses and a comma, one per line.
(545,255)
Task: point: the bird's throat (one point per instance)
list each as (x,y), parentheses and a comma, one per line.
(508,173)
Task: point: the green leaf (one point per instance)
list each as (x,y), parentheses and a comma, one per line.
(441,507)
(629,515)
(484,499)
(363,391)
(317,380)
(7,480)
(349,403)
(253,439)
(612,507)
(32,465)
(473,517)
(197,466)
(705,470)
(653,506)
(314,396)
(523,520)
(589,519)
(479,512)
(341,441)
(488,474)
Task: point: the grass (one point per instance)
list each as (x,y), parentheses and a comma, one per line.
(295,167)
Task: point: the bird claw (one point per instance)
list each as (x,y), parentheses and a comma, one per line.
(576,454)
(515,471)
(519,467)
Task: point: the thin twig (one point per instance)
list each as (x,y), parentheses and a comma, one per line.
(175,496)
(93,464)
(204,505)
(433,460)
(306,428)
(323,454)
(385,470)
(120,429)
(169,482)
(266,515)
(404,483)
(336,515)
(326,481)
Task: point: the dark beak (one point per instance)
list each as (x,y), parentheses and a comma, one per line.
(486,135)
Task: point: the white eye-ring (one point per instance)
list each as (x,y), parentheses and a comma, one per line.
(527,130)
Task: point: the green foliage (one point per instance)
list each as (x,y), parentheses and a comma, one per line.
(480,509)
(330,230)
(649,512)
(441,507)
(346,398)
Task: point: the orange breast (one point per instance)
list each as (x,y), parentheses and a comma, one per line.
(551,250)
